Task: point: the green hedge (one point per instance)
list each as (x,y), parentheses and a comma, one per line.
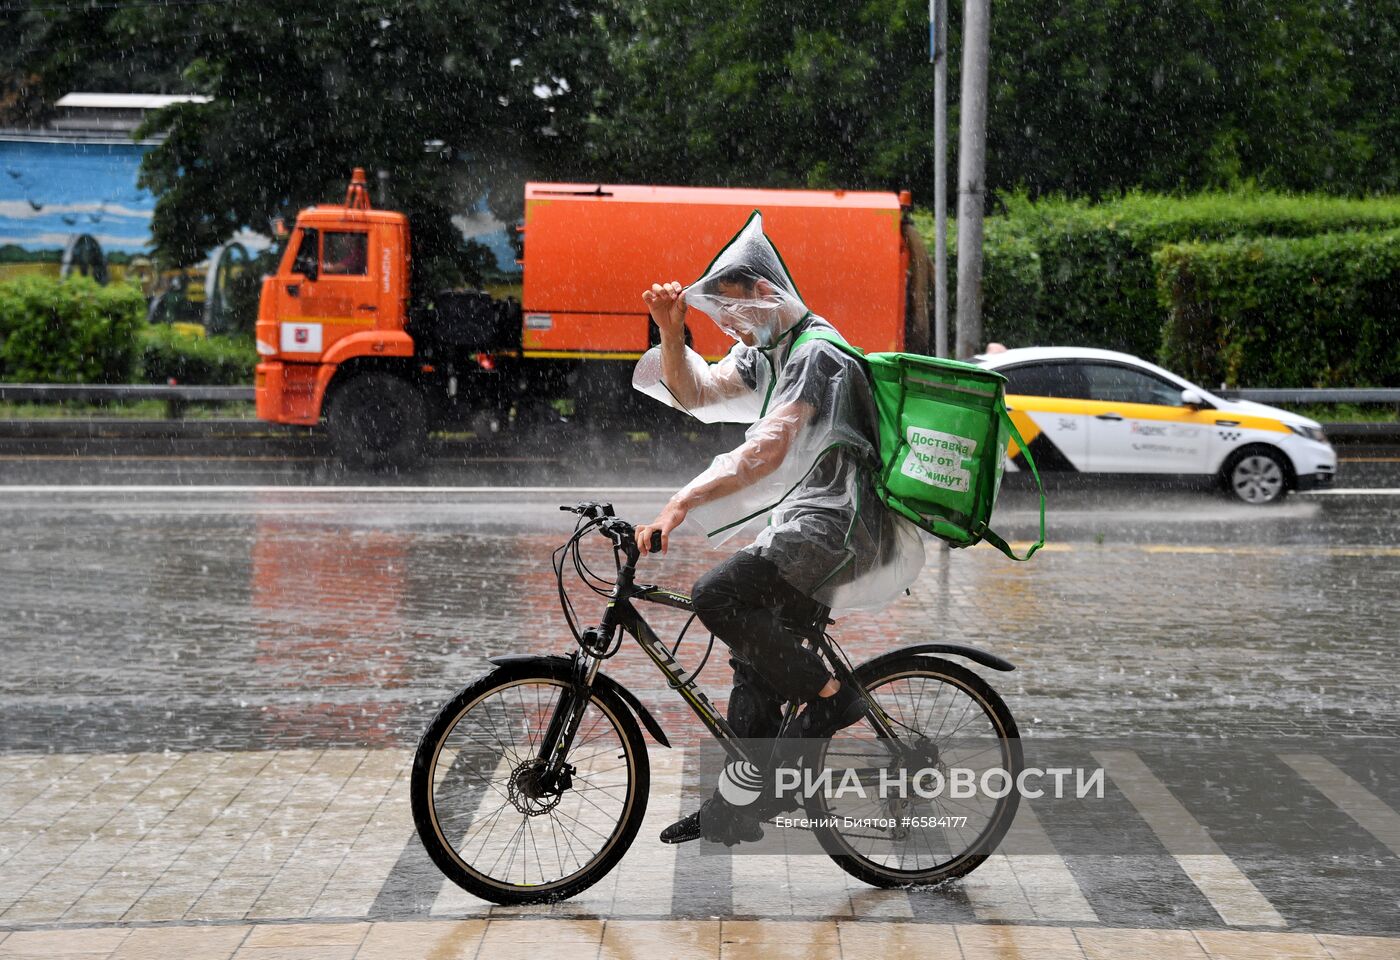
(1284,312)
(1011,283)
(216,361)
(68,331)
(1076,273)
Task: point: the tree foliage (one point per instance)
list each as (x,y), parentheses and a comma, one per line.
(1088,97)
(48,50)
(768,92)
(449,96)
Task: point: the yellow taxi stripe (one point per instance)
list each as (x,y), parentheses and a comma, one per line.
(1143,411)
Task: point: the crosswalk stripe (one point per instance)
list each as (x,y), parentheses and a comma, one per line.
(1050,887)
(1027,886)
(452,900)
(648,871)
(1372,813)
(289,834)
(1233,896)
(760,885)
(993,892)
(373,837)
(262,816)
(195,862)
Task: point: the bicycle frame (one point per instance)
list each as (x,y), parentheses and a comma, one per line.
(622,614)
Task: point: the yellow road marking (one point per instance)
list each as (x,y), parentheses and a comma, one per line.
(81,456)
(1027,544)
(1278,551)
(1262,550)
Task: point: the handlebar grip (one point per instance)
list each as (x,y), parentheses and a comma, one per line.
(655,545)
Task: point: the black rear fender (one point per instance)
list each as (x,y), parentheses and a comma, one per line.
(989,660)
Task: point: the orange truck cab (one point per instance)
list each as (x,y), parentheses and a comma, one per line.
(341,340)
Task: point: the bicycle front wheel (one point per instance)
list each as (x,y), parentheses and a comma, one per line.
(489,816)
(946,718)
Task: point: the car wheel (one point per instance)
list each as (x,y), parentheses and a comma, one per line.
(1257,476)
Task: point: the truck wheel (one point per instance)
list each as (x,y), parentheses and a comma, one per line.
(378,420)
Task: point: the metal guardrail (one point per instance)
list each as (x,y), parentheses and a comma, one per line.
(48,392)
(195,393)
(175,396)
(1331,395)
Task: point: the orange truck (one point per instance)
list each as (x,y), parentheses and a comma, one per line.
(342,340)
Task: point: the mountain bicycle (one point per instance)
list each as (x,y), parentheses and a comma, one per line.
(530,784)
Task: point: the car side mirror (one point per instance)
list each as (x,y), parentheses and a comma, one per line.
(1193,399)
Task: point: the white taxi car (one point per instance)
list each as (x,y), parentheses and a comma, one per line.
(1101,412)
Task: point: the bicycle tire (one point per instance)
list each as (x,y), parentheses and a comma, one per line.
(473,878)
(995,709)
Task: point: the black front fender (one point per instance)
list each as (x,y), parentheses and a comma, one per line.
(603,682)
(988,660)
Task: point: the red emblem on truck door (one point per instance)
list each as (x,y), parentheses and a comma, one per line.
(303,335)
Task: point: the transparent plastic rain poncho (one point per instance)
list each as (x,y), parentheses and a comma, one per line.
(804,469)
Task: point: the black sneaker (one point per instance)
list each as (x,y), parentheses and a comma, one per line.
(683,830)
(716,821)
(824,716)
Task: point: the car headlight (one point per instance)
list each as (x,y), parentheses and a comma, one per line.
(1309,433)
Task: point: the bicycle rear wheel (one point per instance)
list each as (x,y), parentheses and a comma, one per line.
(487,816)
(946,717)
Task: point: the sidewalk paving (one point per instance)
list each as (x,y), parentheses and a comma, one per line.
(674,940)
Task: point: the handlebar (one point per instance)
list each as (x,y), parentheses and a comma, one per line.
(590,509)
(599,517)
(622,533)
(619,531)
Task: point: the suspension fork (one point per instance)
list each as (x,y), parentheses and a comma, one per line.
(563,725)
(564,722)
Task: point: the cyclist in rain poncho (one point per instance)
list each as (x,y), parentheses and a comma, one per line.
(803,473)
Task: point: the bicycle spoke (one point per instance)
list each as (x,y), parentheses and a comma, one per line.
(493,778)
(956,725)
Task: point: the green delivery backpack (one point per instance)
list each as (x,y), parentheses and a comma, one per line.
(943,435)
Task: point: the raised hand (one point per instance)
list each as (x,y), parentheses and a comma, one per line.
(667,305)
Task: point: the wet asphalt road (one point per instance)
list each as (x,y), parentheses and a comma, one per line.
(287,615)
(199,619)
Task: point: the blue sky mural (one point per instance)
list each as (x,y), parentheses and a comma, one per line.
(49,191)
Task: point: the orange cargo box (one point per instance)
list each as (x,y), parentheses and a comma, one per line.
(591,250)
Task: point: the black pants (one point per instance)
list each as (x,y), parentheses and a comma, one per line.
(745,602)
